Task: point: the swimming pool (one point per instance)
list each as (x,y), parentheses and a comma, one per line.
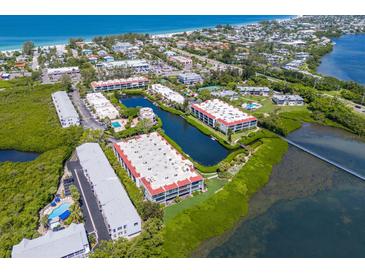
(59,210)
(116,124)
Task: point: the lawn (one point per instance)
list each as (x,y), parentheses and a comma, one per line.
(212,186)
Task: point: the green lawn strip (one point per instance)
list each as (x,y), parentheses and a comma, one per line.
(212,186)
(185,232)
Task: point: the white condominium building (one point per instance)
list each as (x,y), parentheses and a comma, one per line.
(217,113)
(119,84)
(70,242)
(67,114)
(102,106)
(167,93)
(153,164)
(120,216)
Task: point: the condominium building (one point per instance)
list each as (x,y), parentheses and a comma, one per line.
(167,93)
(187,63)
(70,242)
(161,171)
(102,106)
(190,78)
(136,65)
(66,112)
(120,216)
(119,84)
(288,100)
(223,116)
(56,73)
(263,91)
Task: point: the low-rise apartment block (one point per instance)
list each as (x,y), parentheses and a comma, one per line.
(70,242)
(218,114)
(119,84)
(288,100)
(187,63)
(54,74)
(102,106)
(167,93)
(153,164)
(120,216)
(66,112)
(262,91)
(136,65)
(147,114)
(190,78)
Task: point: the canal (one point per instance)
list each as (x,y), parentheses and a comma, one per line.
(197,145)
(10,155)
(309,208)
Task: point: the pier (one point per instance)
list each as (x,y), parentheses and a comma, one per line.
(362,177)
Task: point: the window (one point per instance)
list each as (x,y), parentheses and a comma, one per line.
(135,224)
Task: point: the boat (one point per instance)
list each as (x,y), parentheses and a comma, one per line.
(212,138)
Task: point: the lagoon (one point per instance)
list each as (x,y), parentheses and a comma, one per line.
(347,60)
(10,155)
(193,142)
(309,208)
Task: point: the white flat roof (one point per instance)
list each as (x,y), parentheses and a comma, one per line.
(102,106)
(223,112)
(65,108)
(62,70)
(168,93)
(116,206)
(53,244)
(154,159)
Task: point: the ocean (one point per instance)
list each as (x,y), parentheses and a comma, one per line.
(52,30)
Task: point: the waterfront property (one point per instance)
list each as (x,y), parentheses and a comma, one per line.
(67,114)
(119,84)
(54,74)
(190,78)
(102,106)
(167,93)
(147,114)
(120,216)
(70,242)
(158,168)
(288,100)
(262,91)
(218,114)
(136,65)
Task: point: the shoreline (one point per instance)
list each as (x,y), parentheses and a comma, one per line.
(164,34)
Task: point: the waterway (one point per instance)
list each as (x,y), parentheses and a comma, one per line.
(309,208)
(196,144)
(10,155)
(347,60)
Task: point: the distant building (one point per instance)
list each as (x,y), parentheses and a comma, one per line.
(190,78)
(108,58)
(102,106)
(87,51)
(120,216)
(136,65)
(66,112)
(225,93)
(56,73)
(70,242)
(218,114)
(161,171)
(119,84)
(122,47)
(263,91)
(288,100)
(167,93)
(187,63)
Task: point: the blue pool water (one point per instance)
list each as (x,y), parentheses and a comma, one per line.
(347,60)
(116,124)
(46,30)
(58,211)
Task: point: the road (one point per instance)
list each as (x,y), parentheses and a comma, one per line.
(35,64)
(87,121)
(94,221)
